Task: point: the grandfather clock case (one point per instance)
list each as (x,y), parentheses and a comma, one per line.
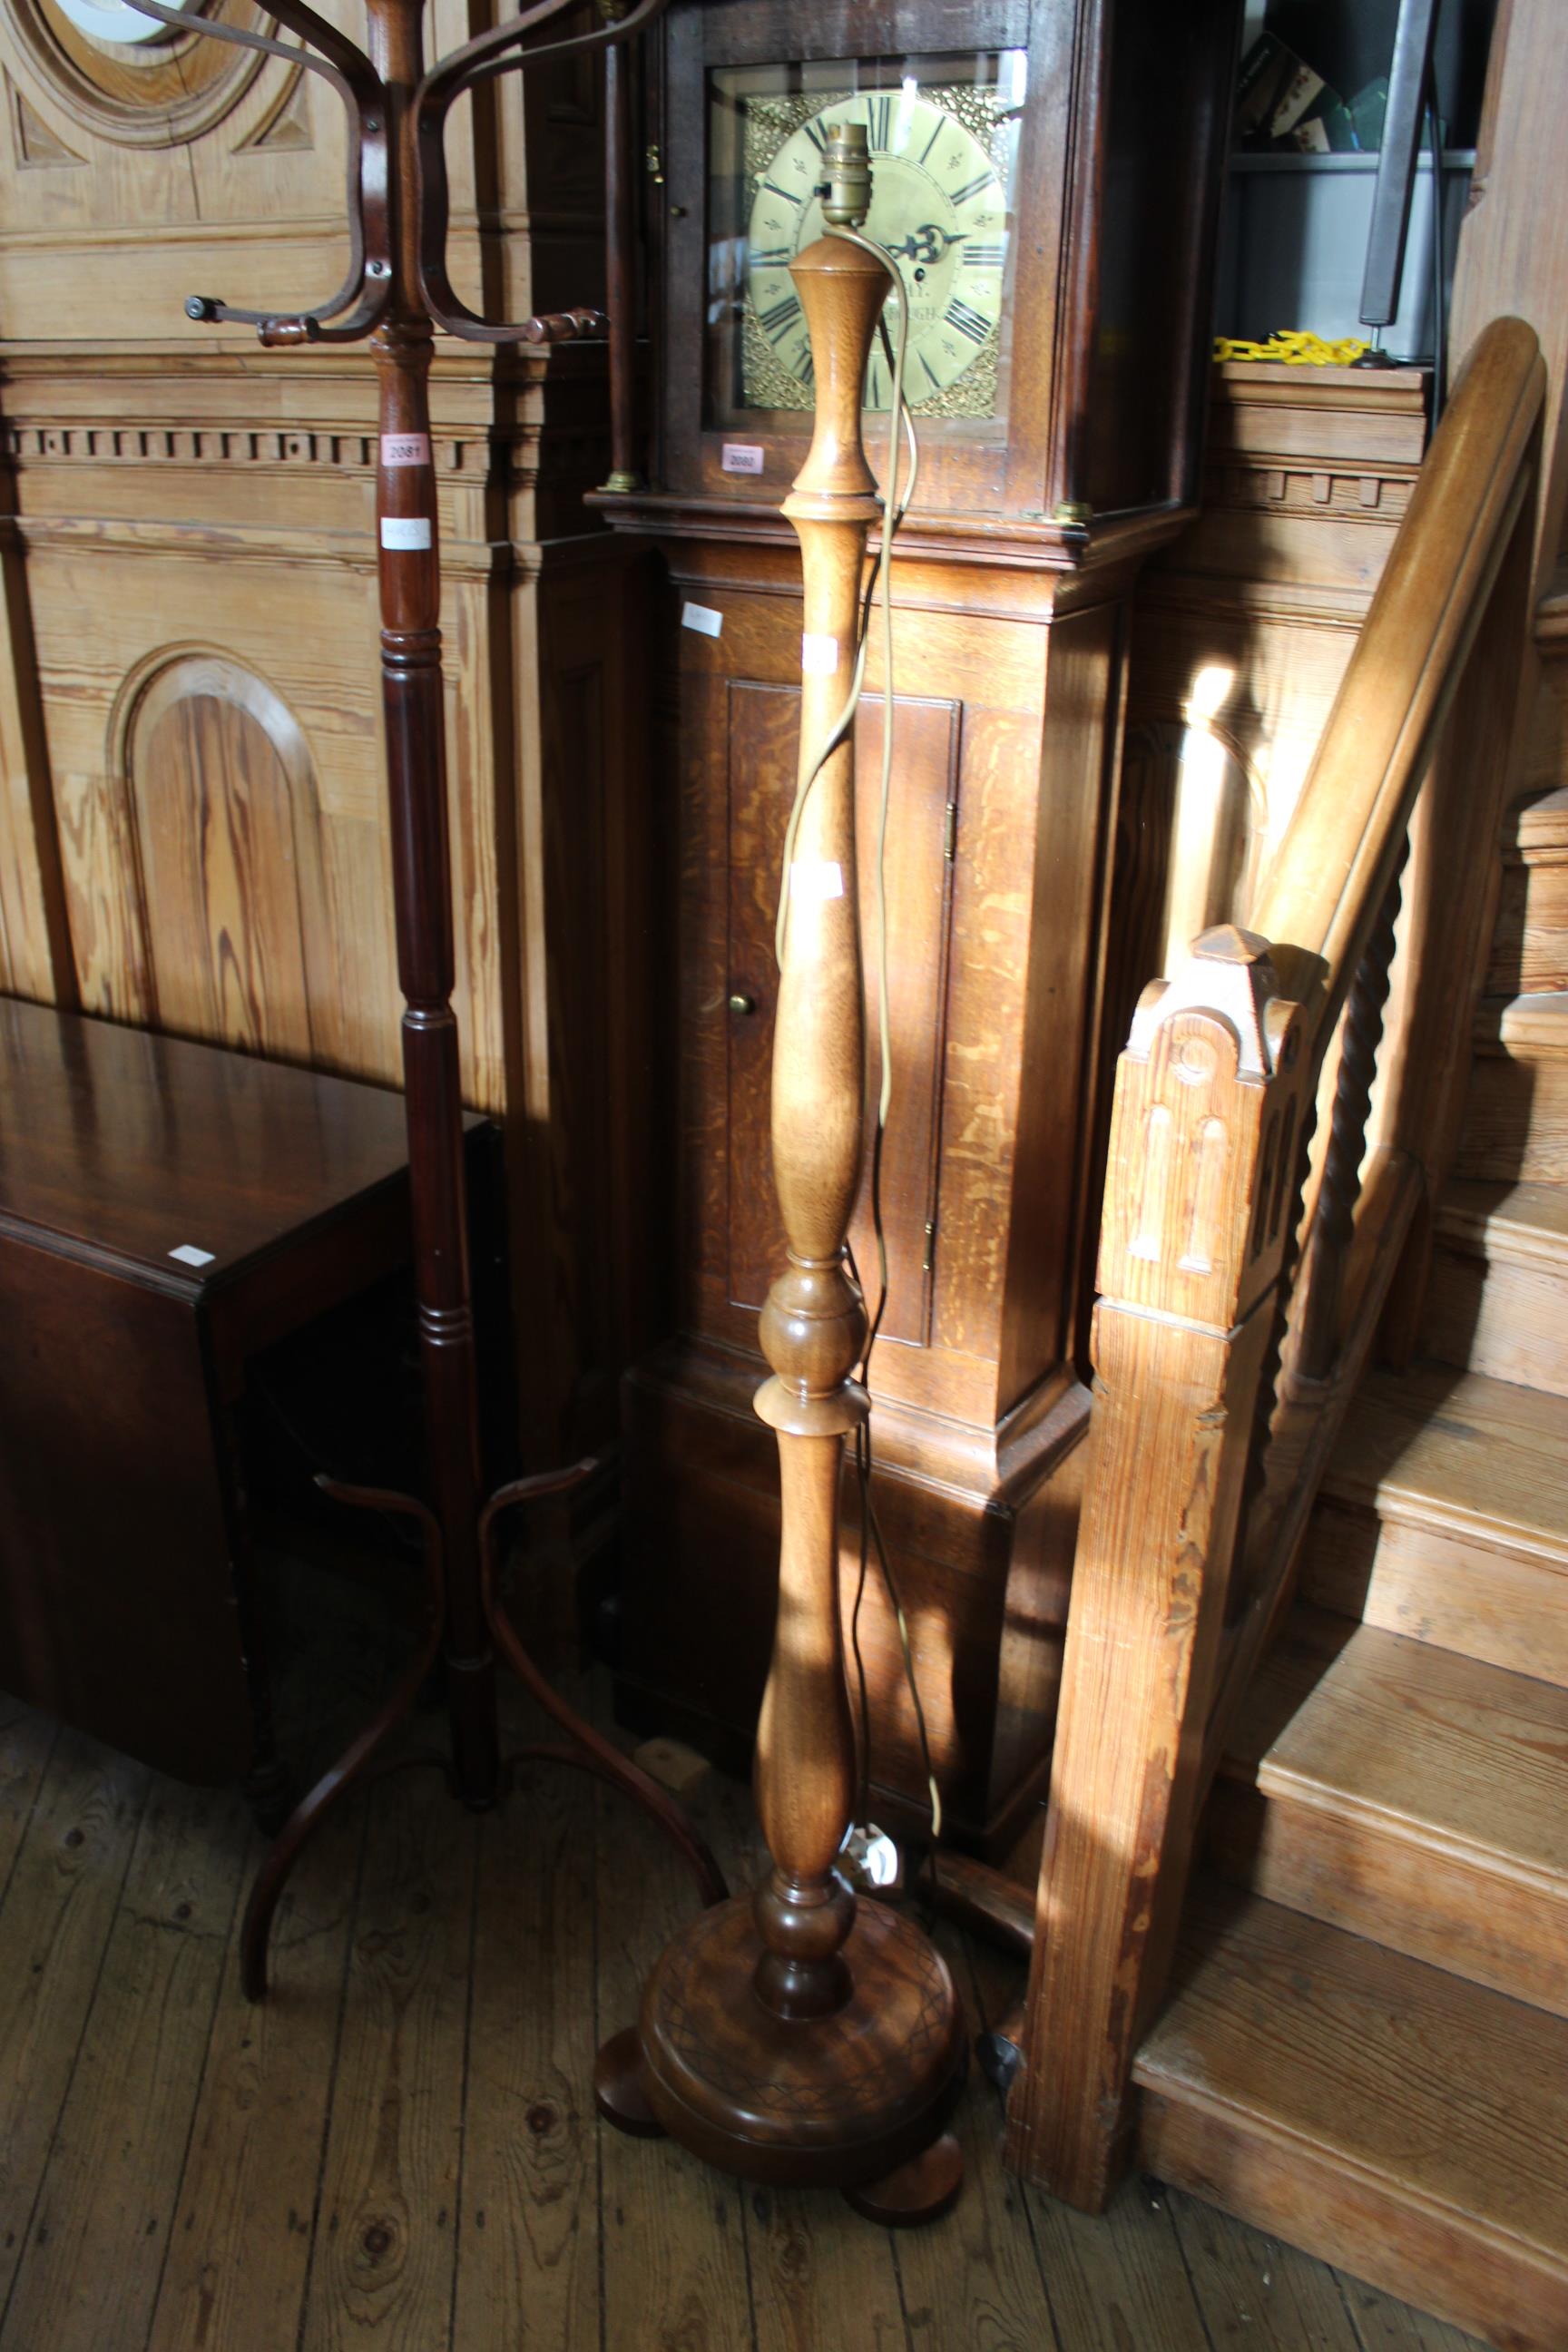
(1047,173)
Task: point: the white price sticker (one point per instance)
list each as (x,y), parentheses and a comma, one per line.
(189,1254)
(742,457)
(816,879)
(818,656)
(405,533)
(406,448)
(702,618)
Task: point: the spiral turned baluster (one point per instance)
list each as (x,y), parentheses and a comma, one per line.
(1333,1225)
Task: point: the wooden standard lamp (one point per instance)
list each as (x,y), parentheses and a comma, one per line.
(795,2035)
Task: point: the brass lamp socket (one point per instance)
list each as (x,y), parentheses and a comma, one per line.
(847,158)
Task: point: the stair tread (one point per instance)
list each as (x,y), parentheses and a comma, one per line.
(1539,823)
(1453,2096)
(1525,1221)
(1535,1023)
(1422,1743)
(1461,1451)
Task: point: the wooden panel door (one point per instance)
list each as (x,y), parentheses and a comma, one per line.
(764,736)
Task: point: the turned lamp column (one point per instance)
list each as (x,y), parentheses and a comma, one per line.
(409,570)
(813,1325)
(795,2035)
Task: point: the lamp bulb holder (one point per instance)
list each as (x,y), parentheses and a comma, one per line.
(847,191)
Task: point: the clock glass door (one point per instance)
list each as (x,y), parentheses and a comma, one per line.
(943,136)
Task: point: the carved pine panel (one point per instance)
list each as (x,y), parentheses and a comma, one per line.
(228,837)
(139,173)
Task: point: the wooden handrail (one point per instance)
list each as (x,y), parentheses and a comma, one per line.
(1197,1315)
(1325,884)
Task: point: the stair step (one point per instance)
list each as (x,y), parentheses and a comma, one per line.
(1384,2115)
(1498,1300)
(1445,1517)
(1532,1026)
(1516,1116)
(1530,944)
(1406,1793)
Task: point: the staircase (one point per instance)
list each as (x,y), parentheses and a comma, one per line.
(1365,2045)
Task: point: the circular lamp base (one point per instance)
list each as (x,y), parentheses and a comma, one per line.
(857,2101)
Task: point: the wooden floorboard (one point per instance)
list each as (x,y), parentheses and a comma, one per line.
(117,2155)
(61,1903)
(528,2268)
(677,2270)
(235,2278)
(975,2276)
(28,1741)
(1117,2279)
(819,2277)
(398,2153)
(383,2262)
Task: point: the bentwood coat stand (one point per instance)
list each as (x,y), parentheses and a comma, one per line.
(397,290)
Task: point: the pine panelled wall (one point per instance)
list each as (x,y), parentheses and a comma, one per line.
(194,835)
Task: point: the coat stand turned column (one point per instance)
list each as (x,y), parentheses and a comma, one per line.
(797,2035)
(397,291)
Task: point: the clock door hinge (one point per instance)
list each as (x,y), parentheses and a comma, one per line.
(929,1261)
(950,833)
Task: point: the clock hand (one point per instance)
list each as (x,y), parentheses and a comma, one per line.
(928,243)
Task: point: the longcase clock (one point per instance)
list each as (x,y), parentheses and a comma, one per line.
(1046,174)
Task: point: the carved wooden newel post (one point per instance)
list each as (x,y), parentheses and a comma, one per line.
(796,2035)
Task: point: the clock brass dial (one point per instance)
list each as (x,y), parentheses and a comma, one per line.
(942,164)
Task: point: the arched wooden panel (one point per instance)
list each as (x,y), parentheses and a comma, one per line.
(227,825)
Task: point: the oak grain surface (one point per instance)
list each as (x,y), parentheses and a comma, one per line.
(1462,1453)
(1499,1284)
(1249,2095)
(588,2243)
(1441,1747)
(1407,1793)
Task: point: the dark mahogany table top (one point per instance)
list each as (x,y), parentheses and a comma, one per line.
(117,1144)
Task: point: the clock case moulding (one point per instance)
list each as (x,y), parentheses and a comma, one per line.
(1011,591)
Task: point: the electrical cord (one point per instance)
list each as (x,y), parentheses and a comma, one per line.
(895,506)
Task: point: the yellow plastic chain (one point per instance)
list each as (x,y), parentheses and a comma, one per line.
(1295,347)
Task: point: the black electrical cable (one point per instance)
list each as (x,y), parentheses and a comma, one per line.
(1439,270)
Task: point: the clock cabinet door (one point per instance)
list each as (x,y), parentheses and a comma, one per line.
(764,735)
